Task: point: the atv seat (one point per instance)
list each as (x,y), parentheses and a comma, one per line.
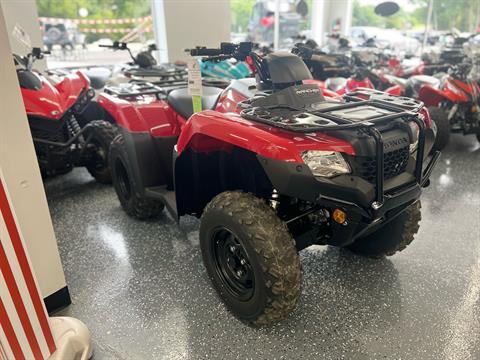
(181,102)
(98,76)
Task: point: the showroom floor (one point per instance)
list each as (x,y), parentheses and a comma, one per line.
(142,289)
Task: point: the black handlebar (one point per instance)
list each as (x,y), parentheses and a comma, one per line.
(227,50)
(117,45)
(205,52)
(303,51)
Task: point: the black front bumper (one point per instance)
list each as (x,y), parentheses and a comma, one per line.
(368,205)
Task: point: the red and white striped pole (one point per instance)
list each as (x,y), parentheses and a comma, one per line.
(26,330)
(21,307)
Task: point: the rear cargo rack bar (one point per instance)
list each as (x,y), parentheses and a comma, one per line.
(160,88)
(135,89)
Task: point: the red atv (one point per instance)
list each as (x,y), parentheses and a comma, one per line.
(360,72)
(453,101)
(62,136)
(273,173)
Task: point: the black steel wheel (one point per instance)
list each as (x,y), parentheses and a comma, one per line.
(232,264)
(123,181)
(250,257)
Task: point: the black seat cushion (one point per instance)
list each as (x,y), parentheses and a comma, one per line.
(181,102)
(98,76)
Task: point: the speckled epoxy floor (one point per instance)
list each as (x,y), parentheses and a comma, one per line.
(142,290)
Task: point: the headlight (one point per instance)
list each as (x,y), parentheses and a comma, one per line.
(325,163)
(90,93)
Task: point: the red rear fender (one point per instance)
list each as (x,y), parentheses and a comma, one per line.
(212,131)
(143,114)
(395,90)
(432,96)
(228,101)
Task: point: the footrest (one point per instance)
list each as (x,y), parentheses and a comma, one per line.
(166,196)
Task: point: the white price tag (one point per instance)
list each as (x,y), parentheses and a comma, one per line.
(194,78)
(22,37)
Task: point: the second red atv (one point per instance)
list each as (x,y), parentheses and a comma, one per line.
(63,136)
(453,100)
(273,173)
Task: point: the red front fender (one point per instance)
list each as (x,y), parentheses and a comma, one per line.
(212,131)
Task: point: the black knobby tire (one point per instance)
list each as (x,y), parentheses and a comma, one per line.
(393,237)
(101,134)
(440,117)
(271,257)
(134,203)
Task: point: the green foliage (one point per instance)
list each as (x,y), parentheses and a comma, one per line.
(241,10)
(364,15)
(447,14)
(97,9)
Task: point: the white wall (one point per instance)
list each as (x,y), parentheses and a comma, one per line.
(324,12)
(190,23)
(19,166)
(23,13)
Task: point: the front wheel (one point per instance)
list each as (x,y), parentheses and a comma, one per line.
(100,135)
(440,117)
(250,257)
(393,237)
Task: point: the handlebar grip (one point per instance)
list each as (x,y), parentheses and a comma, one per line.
(205,52)
(106,46)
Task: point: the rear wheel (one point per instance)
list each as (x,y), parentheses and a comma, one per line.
(101,134)
(250,257)
(132,202)
(440,117)
(395,236)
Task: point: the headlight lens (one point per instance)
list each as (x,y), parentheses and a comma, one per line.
(325,163)
(90,93)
